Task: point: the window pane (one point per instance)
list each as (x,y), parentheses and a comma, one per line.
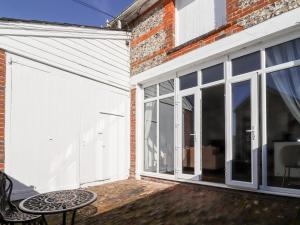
(188,134)
(166,87)
(246,64)
(166,136)
(188,81)
(241,140)
(283,53)
(213,73)
(150,137)
(283,128)
(213,134)
(150,92)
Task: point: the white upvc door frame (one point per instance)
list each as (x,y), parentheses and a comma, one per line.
(179,126)
(253,77)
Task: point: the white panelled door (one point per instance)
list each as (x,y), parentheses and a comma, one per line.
(23,148)
(102,158)
(42,143)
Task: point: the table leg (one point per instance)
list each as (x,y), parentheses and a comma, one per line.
(44,220)
(64,218)
(73,217)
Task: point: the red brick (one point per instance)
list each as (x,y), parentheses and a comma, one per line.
(2,107)
(132,133)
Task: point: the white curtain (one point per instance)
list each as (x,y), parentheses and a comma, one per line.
(282,53)
(166,135)
(288,83)
(150,153)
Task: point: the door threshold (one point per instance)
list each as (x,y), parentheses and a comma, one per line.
(94,183)
(218,185)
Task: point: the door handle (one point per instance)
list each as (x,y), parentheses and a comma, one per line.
(249,131)
(252,131)
(193,134)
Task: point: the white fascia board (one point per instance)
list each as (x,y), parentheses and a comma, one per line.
(48,30)
(133,11)
(284,23)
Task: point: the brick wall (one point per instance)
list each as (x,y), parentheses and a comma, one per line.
(241,14)
(2,104)
(153,40)
(153,36)
(154,31)
(132,133)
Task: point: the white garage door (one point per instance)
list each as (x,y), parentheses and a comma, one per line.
(63,130)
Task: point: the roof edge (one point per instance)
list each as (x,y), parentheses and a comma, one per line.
(42,22)
(40,29)
(137,8)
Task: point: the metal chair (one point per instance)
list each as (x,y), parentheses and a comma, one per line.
(290,158)
(9,213)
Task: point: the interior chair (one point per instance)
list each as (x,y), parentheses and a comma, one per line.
(212,158)
(10,214)
(290,158)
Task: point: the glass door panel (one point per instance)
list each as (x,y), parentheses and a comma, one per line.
(283,130)
(213,134)
(241,134)
(242,131)
(188,134)
(188,164)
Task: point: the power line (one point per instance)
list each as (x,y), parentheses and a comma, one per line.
(100,11)
(94,8)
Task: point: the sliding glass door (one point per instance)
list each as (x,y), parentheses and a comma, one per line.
(242,131)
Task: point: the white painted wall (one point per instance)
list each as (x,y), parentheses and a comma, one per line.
(61,93)
(54,121)
(98,54)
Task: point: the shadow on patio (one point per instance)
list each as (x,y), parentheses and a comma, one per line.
(133,202)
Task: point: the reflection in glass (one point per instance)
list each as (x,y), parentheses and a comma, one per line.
(283,128)
(213,134)
(241,139)
(188,81)
(150,92)
(213,73)
(283,53)
(166,87)
(150,137)
(188,134)
(166,135)
(246,63)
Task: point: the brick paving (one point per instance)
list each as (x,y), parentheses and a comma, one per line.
(134,202)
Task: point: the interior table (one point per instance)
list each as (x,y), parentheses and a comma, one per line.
(58,202)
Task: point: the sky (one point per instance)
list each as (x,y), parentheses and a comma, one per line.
(65,11)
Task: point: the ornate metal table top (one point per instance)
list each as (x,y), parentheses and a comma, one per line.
(58,201)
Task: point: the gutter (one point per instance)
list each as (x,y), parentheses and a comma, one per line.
(132,12)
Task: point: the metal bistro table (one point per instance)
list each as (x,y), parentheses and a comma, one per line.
(58,202)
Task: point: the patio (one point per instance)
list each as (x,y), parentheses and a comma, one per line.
(133,202)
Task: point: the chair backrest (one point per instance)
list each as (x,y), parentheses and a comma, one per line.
(290,156)
(6,187)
